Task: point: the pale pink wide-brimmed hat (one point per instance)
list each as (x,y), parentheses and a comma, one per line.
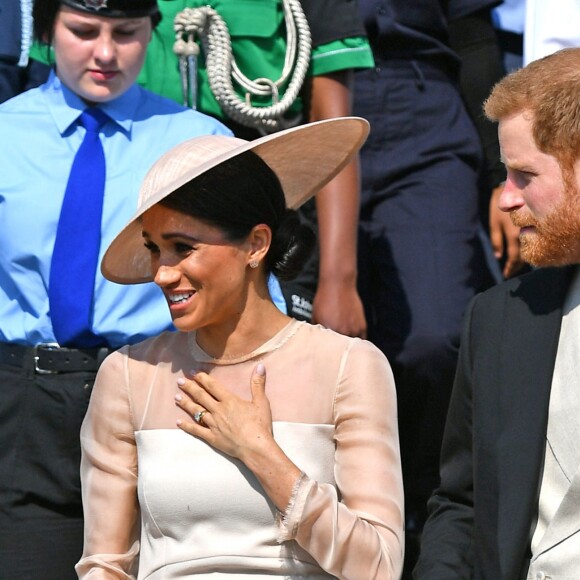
(304,158)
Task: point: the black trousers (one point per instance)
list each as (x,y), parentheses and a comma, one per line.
(421,257)
(41,518)
(299,293)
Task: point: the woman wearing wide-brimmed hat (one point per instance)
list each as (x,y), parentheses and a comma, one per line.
(249,444)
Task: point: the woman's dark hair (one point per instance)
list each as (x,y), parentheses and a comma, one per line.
(44,13)
(239,194)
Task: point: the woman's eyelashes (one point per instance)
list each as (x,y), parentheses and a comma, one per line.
(179,248)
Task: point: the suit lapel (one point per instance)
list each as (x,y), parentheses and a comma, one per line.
(565,521)
(532,322)
(564,427)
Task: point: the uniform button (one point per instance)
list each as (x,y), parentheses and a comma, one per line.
(540,576)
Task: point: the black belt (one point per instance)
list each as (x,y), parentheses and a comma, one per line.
(52,359)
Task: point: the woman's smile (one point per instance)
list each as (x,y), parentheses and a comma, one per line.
(179,300)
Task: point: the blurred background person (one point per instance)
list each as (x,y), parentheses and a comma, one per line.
(422,249)
(474,39)
(531,29)
(550,27)
(509,20)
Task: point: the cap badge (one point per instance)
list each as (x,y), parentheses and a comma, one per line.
(95,4)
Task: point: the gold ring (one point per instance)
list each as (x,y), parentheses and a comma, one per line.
(198,416)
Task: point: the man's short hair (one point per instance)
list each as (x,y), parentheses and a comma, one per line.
(548,89)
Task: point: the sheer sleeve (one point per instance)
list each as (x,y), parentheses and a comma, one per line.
(109,478)
(356,529)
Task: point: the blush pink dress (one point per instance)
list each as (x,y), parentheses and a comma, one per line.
(161,504)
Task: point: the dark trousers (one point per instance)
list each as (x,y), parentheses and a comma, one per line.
(420,250)
(299,293)
(41,519)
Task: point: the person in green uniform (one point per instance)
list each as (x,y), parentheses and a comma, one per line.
(259,41)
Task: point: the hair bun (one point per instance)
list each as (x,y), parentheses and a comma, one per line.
(291,247)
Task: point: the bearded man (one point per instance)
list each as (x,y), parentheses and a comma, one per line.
(508,506)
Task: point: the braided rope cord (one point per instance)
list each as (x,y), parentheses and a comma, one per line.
(209,26)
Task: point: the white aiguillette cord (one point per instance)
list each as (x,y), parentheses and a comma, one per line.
(208,25)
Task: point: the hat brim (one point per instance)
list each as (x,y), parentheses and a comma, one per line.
(304,158)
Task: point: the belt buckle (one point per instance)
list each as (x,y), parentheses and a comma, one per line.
(47,346)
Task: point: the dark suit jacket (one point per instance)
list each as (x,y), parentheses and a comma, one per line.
(481,516)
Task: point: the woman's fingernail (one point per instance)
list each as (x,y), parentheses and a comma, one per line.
(178,422)
(181,382)
(261,369)
(178,397)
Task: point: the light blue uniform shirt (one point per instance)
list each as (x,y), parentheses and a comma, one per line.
(38,141)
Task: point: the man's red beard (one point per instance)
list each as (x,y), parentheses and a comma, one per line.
(556,239)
